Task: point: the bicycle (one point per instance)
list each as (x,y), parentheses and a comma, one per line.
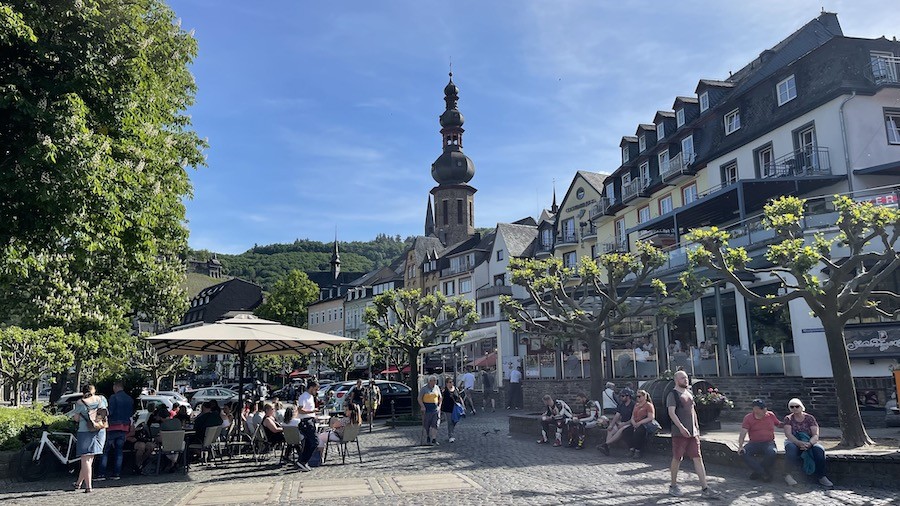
(34,463)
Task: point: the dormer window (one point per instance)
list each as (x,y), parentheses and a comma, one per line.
(704,101)
(787,90)
(642,143)
(660,131)
(679,117)
(625,154)
(732,121)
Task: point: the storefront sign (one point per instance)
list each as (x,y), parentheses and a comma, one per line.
(887,200)
(873,341)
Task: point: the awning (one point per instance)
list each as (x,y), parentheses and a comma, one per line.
(393,370)
(489,360)
(886,169)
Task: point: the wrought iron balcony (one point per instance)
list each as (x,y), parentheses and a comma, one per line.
(568,237)
(886,69)
(543,249)
(679,165)
(620,246)
(589,231)
(803,162)
(600,208)
(632,189)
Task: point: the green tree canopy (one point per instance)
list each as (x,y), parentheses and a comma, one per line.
(96,144)
(287,302)
(838,274)
(584,302)
(410,321)
(26,355)
(147,360)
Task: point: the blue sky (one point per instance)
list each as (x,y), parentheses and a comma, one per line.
(323,115)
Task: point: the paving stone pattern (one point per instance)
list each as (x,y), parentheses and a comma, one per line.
(484,466)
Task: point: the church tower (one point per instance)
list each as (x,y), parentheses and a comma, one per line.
(335,263)
(454,199)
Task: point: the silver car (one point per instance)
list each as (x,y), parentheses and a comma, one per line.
(219,394)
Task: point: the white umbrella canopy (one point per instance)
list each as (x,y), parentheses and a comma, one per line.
(243,335)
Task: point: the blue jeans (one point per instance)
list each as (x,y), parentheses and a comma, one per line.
(766,450)
(792,455)
(115,439)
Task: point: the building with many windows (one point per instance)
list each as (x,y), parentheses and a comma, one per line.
(817,114)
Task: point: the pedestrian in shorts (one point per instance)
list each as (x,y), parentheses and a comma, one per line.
(685,436)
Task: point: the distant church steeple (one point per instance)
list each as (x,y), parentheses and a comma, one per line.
(429,219)
(454,199)
(554,208)
(335,262)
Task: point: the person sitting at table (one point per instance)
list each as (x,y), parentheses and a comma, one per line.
(290,419)
(166,424)
(258,416)
(274,432)
(279,411)
(182,415)
(209,417)
(227,417)
(351,416)
(144,446)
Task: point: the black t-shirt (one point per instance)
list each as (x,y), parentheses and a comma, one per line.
(625,411)
(449,400)
(356,397)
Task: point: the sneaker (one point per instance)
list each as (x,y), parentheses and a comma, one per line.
(541,441)
(434,442)
(100,478)
(604,449)
(517,408)
(675,491)
(115,478)
(825,482)
(557,443)
(637,454)
(452,439)
(304,467)
(709,493)
(790,480)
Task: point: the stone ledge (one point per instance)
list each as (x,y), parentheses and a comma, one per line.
(858,469)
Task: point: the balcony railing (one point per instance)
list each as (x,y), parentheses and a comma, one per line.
(885,69)
(457,269)
(567,238)
(589,232)
(803,162)
(600,208)
(678,166)
(543,249)
(620,246)
(493,291)
(632,189)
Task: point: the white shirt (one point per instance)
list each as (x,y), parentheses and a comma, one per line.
(609,399)
(515,376)
(640,355)
(306,402)
(293,422)
(468,380)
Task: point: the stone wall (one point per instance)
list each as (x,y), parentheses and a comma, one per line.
(818,394)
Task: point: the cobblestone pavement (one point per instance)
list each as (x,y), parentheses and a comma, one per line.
(484,466)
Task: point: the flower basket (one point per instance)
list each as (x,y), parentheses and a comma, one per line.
(709,403)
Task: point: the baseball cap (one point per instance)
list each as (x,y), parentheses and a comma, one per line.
(758,403)
(627,391)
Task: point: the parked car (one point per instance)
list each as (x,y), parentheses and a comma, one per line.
(150,403)
(66,402)
(219,394)
(175,395)
(390,391)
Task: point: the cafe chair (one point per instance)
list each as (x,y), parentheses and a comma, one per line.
(351,435)
(207,448)
(172,443)
(292,441)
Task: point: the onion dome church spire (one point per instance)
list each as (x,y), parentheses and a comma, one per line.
(454,199)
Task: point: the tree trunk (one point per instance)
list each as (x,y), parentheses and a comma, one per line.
(34,391)
(853,432)
(17,393)
(79,368)
(58,388)
(414,379)
(595,346)
(156,382)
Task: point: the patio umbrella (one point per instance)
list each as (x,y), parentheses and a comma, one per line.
(243,335)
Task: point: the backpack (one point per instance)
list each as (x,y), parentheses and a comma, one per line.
(96,419)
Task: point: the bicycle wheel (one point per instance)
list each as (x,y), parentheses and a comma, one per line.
(30,469)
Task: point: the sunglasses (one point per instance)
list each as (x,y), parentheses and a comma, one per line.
(794,406)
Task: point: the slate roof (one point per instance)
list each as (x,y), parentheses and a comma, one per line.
(714,83)
(422,246)
(595,179)
(687,100)
(323,279)
(547,216)
(528,220)
(666,114)
(211,304)
(519,238)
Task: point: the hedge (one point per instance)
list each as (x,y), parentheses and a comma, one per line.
(14,421)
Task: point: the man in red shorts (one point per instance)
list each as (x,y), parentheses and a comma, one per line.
(685,435)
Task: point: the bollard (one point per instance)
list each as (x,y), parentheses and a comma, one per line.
(393,414)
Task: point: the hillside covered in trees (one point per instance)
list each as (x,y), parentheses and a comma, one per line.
(267,264)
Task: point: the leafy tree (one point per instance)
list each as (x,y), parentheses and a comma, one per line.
(340,357)
(410,321)
(96,144)
(287,301)
(26,355)
(276,365)
(145,358)
(854,264)
(586,301)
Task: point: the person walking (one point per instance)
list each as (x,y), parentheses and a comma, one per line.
(121,409)
(514,399)
(91,413)
(685,436)
(467,381)
(802,445)
(429,401)
(489,384)
(449,399)
(306,409)
(760,425)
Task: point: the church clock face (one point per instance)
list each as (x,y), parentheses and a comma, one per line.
(579,193)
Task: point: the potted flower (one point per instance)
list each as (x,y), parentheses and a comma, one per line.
(709,403)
